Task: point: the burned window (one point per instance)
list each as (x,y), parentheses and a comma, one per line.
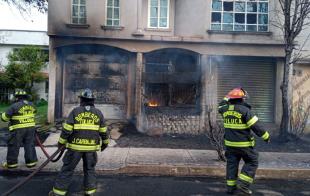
(171,94)
(240,18)
(78,11)
(216,18)
(157,94)
(240,15)
(251,19)
(171,79)
(228,5)
(184,94)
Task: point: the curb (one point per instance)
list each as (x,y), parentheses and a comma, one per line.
(180,171)
(204,171)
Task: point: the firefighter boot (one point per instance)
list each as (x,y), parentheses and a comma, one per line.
(51,193)
(90,193)
(5,165)
(244,190)
(231,190)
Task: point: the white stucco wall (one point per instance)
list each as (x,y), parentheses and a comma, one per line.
(23,37)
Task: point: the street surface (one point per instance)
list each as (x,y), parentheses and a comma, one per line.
(154,186)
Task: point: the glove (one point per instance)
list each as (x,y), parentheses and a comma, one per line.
(103,146)
(267,140)
(59,145)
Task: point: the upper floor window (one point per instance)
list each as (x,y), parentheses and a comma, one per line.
(158,14)
(113,13)
(240,15)
(78,11)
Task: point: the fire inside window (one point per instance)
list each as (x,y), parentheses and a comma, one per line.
(173,83)
(171,94)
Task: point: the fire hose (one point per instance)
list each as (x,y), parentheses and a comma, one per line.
(44,151)
(59,151)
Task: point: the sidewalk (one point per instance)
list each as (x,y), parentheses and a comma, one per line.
(178,162)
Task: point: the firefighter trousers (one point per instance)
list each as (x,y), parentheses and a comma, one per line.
(70,161)
(22,137)
(246,177)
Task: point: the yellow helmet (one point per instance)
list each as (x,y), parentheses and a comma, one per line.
(20,92)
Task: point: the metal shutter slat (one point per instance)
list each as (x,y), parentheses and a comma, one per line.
(256,75)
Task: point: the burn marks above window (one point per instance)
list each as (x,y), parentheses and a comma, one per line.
(171,78)
(240,15)
(171,62)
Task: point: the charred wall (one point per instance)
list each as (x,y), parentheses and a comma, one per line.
(101,68)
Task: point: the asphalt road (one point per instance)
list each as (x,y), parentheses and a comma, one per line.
(154,186)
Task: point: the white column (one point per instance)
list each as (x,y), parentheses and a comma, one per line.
(139,86)
(139,31)
(52,82)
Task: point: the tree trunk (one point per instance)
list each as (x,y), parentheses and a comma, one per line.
(286,98)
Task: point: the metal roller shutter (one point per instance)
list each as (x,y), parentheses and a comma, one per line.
(256,75)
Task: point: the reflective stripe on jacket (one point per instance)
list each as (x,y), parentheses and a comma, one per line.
(84,129)
(20,115)
(238,123)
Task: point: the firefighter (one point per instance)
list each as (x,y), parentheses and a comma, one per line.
(20,116)
(84,133)
(239,141)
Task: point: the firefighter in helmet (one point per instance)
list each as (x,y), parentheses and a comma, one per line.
(239,140)
(20,116)
(84,133)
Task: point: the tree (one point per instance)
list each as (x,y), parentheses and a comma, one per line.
(215,132)
(24,67)
(295,17)
(23,5)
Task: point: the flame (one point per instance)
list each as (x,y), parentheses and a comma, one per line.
(153,103)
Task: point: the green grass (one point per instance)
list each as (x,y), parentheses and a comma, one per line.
(3,107)
(41,116)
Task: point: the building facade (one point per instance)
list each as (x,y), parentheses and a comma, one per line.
(164,64)
(14,39)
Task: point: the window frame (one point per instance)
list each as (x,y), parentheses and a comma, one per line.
(78,17)
(158,16)
(246,12)
(106,14)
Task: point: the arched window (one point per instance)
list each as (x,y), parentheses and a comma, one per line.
(172,78)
